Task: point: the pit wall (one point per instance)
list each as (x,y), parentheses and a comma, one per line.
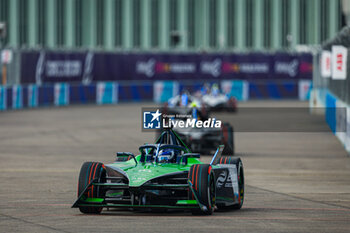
(336,112)
(63,94)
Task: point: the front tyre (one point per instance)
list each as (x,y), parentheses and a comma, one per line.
(240,176)
(202,178)
(89,172)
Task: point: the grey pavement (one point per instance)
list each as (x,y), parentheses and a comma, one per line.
(295,181)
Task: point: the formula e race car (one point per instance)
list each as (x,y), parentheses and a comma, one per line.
(183,104)
(219,102)
(214,100)
(165,175)
(206,100)
(205,139)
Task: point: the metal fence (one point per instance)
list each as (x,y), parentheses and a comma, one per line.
(340,88)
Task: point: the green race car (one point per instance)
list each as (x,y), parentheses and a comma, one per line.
(165,175)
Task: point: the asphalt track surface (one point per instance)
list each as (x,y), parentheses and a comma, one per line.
(295,181)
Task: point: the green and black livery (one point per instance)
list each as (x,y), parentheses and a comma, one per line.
(165,175)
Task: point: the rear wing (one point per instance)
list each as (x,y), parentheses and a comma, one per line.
(217,156)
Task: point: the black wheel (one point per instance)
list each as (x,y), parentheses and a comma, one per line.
(204,111)
(240,173)
(232,105)
(228,139)
(88,172)
(202,178)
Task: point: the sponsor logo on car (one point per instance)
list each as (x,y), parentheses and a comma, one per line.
(221,179)
(224,180)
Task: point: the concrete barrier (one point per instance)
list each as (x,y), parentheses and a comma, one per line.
(135,92)
(82,94)
(61,97)
(273,90)
(107,93)
(330,113)
(337,115)
(17,99)
(236,88)
(63,94)
(32,96)
(305,87)
(164,90)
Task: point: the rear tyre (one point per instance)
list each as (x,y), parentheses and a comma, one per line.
(240,177)
(232,104)
(89,172)
(228,139)
(202,178)
(204,112)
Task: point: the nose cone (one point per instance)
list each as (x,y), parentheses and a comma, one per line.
(144,172)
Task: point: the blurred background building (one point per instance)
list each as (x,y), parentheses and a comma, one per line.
(170,24)
(62,52)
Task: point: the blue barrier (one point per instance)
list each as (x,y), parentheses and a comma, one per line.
(236,88)
(107,93)
(3,98)
(135,92)
(233,88)
(305,87)
(82,94)
(164,90)
(46,95)
(330,113)
(9,97)
(32,96)
(61,96)
(273,90)
(337,115)
(190,87)
(24,97)
(17,97)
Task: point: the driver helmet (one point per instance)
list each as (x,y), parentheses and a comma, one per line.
(205,89)
(194,104)
(215,89)
(166,154)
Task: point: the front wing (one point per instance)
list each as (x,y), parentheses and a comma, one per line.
(165,195)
